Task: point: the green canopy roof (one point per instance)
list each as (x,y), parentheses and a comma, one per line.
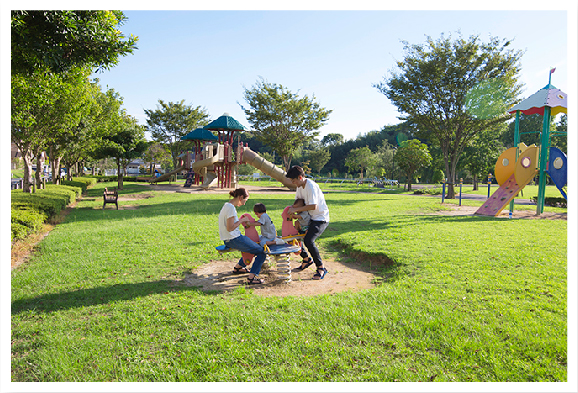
(200,134)
(225,122)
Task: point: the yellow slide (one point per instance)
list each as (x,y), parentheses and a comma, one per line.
(512,176)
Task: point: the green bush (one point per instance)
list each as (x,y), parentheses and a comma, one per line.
(25,221)
(82,182)
(19,231)
(428,191)
(30,211)
(553,201)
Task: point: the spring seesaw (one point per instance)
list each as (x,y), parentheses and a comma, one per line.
(279,252)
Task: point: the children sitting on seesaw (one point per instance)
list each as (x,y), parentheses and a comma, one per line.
(302,218)
(268,231)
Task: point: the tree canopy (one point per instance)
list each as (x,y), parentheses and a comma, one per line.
(411,156)
(442,88)
(60,40)
(125,143)
(173,120)
(282,119)
(360,159)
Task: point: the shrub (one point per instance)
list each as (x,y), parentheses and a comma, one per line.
(30,211)
(82,182)
(553,201)
(25,221)
(428,191)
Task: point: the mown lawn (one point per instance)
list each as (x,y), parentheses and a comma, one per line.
(463,299)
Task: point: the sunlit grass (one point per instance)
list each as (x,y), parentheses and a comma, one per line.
(465,298)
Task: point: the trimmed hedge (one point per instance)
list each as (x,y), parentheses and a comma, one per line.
(30,211)
(82,182)
(114,178)
(553,201)
(428,191)
(25,221)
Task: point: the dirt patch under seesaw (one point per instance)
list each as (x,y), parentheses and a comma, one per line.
(217,275)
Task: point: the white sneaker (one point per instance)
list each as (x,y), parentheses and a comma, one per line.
(280,241)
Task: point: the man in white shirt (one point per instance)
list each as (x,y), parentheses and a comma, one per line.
(315,205)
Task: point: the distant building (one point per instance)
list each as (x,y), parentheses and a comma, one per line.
(15,156)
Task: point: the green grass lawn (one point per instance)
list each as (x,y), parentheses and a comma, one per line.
(465,298)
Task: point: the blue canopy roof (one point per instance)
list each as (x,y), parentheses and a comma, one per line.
(200,134)
(225,122)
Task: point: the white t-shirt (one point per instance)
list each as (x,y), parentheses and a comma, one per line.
(312,195)
(227,211)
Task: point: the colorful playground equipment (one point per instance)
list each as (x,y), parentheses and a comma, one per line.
(279,252)
(517,166)
(211,163)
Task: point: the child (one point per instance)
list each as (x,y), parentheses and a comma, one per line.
(302,218)
(268,231)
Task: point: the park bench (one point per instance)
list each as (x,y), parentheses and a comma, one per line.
(110,196)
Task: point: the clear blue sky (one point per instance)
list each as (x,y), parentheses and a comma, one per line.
(207,58)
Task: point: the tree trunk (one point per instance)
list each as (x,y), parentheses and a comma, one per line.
(39,165)
(287,162)
(69,172)
(409,177)
(120,177)
(475,182)
(55,164)
(27,160)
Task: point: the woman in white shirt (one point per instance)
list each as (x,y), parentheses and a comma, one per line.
(231,235)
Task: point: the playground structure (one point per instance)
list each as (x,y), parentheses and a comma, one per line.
(517,166)
(211,163)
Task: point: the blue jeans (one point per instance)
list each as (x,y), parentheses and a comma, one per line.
(244,244)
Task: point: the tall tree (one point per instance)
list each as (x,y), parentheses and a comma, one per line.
(282,119)
(360,159)
(61,40)
(318,157)
(530,130)
(46,109)
(32,99)
(332,139)
(411,156)
(173,120)
(124,144)
(156,153)
(385,160)
(480,158)
(452,90)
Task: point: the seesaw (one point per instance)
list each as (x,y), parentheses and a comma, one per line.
(280,252)
(288,231)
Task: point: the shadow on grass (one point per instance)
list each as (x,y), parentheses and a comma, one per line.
(96,296)
(387,268)
(194,205)
(335,229)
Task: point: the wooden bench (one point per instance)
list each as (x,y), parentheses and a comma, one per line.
(110,196)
